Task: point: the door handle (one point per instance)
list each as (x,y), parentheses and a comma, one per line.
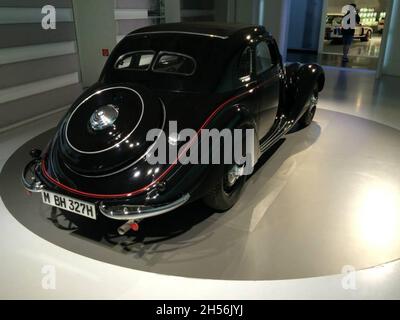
(281,74)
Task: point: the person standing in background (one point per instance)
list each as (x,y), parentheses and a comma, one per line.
(350,19)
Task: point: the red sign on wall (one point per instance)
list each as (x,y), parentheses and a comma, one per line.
(105,52)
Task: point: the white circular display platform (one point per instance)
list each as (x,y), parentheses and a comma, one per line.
(325,198)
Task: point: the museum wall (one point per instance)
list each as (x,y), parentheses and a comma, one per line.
(244,12)
(134,14)
(193,10)
(391,60)
(276,19)
(90,46)
(39,68)
(304,24)
(172,10)
(274,15)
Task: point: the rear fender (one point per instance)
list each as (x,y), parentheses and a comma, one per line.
(301,80)
(235,117)
(205,176)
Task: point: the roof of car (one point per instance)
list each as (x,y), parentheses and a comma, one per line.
(213,29)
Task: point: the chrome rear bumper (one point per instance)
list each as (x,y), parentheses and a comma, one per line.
(139,212)
(115,212)
(31,184)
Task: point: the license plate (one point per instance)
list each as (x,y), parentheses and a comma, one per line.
(82,208)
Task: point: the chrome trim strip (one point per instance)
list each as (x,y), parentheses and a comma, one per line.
(92,95)
(135,162)
(34,185)
(131,212)
(276,135)
(179,32)
(272,136)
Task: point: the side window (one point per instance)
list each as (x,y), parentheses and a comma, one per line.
(170,62)
(263,58)
(245,65)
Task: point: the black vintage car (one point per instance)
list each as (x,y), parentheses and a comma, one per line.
(201,75)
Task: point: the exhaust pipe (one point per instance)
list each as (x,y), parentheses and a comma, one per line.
(130,225)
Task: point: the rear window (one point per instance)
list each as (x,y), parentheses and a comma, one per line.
(139,60)
(174,63)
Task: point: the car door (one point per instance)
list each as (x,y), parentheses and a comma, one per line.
(244,78)
(268,75)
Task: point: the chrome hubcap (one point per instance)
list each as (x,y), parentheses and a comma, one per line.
(233,175)
(104,117)
(314,100)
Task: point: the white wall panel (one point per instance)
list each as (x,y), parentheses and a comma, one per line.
(32,15)
(29,89)
(127,14)
(24,53)
(95,30)
(40,67)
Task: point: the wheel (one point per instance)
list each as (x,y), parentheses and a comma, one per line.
(367,37)
(308,116)
(226,191)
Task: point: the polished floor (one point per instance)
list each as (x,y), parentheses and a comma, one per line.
(359,48)
(334,60)
(331,188)
(362,55)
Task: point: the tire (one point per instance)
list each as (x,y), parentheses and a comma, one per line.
(219,198)
(367,37)
(308,116)
(226,191)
